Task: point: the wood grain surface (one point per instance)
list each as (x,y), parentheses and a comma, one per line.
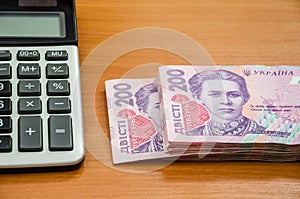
(232,32)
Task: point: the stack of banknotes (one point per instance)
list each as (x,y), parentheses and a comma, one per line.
(207,113)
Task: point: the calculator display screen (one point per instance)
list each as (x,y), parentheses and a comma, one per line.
(32,24)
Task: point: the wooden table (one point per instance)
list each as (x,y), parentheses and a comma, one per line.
(232,32)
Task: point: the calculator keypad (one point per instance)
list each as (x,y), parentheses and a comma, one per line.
(5,88)
(38,111)
(29,70)
(28,55)
(59,105)
(57,71)
(29,88)
(30,133)
(5,125)
(5,55)
(29,106)
(5,106)
(5,143)
(54,55)
(60,133)
(58,88)
(5,71)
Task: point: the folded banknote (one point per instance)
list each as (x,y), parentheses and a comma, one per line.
(135,120)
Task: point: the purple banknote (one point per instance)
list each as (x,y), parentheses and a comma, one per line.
(231,104)
(135,120)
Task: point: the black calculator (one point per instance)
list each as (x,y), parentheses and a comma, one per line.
(41,123)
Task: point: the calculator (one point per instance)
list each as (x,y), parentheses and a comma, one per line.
(41,123)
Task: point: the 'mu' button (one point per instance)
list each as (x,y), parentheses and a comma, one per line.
(53,55)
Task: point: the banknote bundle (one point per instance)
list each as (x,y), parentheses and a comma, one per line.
(203,113)
(232,113)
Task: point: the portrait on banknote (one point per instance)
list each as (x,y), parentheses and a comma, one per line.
(224,94)
(148,103)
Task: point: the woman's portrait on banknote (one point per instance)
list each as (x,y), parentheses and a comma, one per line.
(148,103)
(223,93)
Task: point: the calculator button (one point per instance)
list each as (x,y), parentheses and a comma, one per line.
(60,133)
(5,71)
(29,106)
(57,71)
(58,87)
(5,125)
(31,70)
(53,55)
(5,143)
(28,55)
(5,55)
(29,88)
(30,133)
(5,107)
(59,105)
(5,88)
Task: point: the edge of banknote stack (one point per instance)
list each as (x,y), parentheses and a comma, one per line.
(207,113)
